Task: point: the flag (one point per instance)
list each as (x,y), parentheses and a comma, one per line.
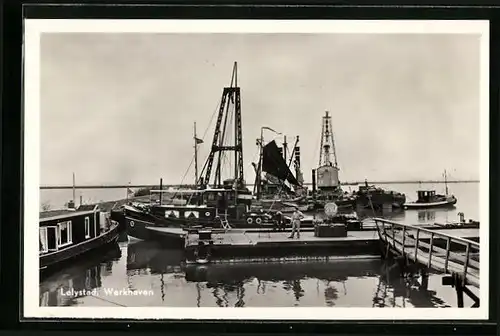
(198,141)
(270,129)
(130,191)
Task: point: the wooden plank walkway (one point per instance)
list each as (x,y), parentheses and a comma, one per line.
(242,237)
(255,235)
(406,240)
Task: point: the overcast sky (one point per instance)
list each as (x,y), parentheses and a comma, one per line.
(120,107)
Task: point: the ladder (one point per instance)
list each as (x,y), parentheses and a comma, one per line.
(223,221)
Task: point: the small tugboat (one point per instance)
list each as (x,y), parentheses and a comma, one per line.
(70,233)
(429,199)
(325,179)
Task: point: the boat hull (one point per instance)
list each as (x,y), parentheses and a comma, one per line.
(50,262)
(440,204)
(145,230)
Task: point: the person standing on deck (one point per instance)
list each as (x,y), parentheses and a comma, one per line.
(278,220)
(296,218)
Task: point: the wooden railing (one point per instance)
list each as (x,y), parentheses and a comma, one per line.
(435,250)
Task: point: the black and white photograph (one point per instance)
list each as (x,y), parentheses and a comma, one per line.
(277,169)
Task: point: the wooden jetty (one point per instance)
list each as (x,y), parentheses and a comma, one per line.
(416,251)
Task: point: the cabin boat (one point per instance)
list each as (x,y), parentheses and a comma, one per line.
(217,208)
(429,199)
(70,233)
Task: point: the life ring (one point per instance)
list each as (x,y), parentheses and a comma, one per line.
(207,213)
(249,220)
(258,220)
(131,223)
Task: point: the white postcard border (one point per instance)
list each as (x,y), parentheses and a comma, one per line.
(33,31)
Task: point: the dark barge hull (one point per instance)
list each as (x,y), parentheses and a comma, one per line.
(232,247)
(51,262)
(146,230)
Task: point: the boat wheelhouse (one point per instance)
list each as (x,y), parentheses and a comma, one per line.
(69,233)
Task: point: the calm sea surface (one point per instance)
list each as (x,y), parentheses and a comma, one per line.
(139,273)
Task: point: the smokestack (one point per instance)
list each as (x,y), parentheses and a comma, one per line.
(161,188)
(314,182)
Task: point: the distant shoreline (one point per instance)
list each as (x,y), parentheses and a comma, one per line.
(123,186)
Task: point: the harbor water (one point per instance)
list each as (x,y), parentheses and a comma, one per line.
(145,274)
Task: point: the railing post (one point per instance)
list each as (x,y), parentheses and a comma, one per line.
(393,236)
(448,246)
(403,240)
(466,265)
(416,243)
(385,232)
(430,250)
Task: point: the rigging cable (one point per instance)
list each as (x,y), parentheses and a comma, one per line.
(192,158)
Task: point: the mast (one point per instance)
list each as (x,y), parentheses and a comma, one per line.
(74,189)
(230,96)
(259,170)
(284,147)
(195,156)
(445,183)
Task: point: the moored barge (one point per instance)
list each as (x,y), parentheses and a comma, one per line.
(68,234)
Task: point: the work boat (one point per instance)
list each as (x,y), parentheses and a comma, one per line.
(326,186)
(276,187)
(429,199)
(214,202)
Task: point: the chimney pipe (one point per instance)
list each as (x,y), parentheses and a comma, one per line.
(314,183)
(161,188)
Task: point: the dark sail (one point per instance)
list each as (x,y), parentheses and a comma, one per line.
(274,163)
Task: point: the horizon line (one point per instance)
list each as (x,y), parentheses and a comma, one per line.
(166,185)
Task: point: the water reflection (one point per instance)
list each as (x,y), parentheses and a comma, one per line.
(394,214)
(412,289)
(357,283)
(147,265)
(67,286)
(426,216)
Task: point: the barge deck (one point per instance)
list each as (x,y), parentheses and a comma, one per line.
(216,246)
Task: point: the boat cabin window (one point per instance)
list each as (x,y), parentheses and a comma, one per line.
(65,234)
(426,194)
(44,240)
(87,227)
